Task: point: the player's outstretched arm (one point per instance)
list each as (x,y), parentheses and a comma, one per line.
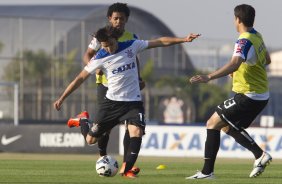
(227,69)
(71,87)
(167,41)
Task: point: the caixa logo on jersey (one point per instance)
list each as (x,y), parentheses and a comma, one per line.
(190,141)
(61,140)
(124,68)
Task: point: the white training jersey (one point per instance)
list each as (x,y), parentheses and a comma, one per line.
(120,69)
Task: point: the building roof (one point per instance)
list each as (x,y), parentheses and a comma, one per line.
(57,29)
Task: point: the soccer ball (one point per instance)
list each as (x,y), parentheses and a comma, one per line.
(107,166)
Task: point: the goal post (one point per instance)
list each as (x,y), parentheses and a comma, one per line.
(9,97)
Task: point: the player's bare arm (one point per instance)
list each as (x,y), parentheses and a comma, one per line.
(88,55)
(80,78)
(167,41)
(227,69)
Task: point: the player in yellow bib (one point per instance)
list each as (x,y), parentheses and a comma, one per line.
(250,85)
(118,14)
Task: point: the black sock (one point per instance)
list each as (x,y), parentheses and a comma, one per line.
(102,144)
(84,127)
(126,142)
(132,153)
(211,148)
(245,140)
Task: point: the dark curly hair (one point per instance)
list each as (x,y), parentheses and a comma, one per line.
(118,7)
(105,33)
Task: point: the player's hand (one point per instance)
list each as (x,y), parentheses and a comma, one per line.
(142,84)
(57,104)
(191,37)
(231,75)
(199,79)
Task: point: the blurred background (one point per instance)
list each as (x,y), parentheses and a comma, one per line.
(42,44)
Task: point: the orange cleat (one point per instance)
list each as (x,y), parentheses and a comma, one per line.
(74,122)
(129,174)
(134,170)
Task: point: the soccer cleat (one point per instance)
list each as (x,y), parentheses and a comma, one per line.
(129,174)
(74,122)
(260,164)
(134,170)
(83,114)
(200,175)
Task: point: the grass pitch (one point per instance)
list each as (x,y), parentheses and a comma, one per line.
(65,168)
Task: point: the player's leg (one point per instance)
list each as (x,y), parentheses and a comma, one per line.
(104,139)
(82,120)
(103,143)
(239,112)
(242,137)
(214,124)
(126,142)
(135,122)
(134,146)
(246,112)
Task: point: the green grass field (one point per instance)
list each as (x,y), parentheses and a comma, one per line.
(66,168)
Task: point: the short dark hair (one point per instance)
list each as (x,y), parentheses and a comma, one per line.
(105,33)
(246,14)
(118,7)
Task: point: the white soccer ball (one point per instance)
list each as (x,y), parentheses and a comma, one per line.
(107,166)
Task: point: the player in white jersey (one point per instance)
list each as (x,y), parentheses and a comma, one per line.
(123,102)
(117,15)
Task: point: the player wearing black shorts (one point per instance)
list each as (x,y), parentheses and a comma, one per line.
(250,84)
(123,102)
(118,14)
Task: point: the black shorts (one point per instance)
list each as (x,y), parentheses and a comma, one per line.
(240,111)
(111,113)
(101,93)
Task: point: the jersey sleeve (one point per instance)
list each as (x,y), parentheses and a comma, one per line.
(242,48)
(94,44)
(141,45)
(93,65)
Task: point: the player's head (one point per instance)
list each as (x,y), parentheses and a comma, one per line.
(118,14)
(245,14)
(108,37)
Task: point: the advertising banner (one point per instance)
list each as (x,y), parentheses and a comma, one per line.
(189,141)
(49,139)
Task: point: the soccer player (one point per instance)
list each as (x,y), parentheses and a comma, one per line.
(250,85)
(118,14)
(122,102)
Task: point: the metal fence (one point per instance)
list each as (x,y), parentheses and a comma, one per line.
(35,103)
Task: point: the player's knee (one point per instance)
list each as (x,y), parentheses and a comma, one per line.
(215,122)
(135,131)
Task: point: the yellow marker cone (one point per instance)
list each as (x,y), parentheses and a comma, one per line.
(160,167)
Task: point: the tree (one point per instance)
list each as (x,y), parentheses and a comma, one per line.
(203,97)
(40,71)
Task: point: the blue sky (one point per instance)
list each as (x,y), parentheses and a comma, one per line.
(213,19)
